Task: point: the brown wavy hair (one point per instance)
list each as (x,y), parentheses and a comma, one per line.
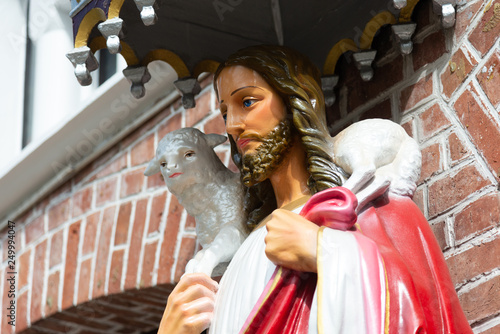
(297,81)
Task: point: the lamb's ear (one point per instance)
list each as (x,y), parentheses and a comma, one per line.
(214,139)
(153,167)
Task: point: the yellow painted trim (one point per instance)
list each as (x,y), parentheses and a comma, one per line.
(170,58)
(271,289)
(319,291)
(127,53)
(407,11)
(387,301)
(93,17)
(205,66)
(114,8)
(338,49)
(290,207)
(371,28)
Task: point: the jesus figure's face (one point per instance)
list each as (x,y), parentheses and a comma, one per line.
(255,118)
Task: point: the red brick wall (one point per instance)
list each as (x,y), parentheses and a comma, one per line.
(110,229)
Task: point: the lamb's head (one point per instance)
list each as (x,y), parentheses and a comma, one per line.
(186,157)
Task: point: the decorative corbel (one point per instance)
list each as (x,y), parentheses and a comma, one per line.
(445,8)
(398,4)
(328,83)
(363,60)
(112,30)
(147,8)
(188,87)
(402,34)
(138,76)
(84,62)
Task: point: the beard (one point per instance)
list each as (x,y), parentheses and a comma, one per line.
(259,165)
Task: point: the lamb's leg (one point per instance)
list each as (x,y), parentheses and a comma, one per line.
(222,249)
(193,263)
(379,185)
(360,176)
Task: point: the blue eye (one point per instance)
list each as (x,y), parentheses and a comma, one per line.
(224,117)
(248,103)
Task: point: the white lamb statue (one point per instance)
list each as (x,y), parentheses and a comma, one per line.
(209,192)
(379,156)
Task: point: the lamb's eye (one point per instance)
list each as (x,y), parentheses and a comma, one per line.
(189,154)
(163,164)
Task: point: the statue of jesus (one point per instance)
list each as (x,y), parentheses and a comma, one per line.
(385,274)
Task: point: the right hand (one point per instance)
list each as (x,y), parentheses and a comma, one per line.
(190,305)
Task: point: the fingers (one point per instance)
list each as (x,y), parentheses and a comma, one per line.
(202,279)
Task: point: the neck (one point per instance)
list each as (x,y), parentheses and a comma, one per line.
(289,180)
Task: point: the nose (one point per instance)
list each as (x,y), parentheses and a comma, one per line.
(171,165)
(234,124)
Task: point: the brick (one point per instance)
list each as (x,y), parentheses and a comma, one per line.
(186,253)
(488,29)
(215,125)
(71,265)
(22,312)
(38,276)
(155,181)
(408,126)
(103,248)
(190,223)
(82,200)
(202,109)
(52,326)
(173,123)
(58,214)
(106,191)
(117,165)
(24,269)
(483,130)
(84,281)
(122,223)
(475,261)
(457,71)
(382,110)
(457,149)
(148,262)
(52,298)
(63,191)
(90,233)
(431,162)
(167,252)
(448,191)
(86,175)
(84,321)
(359,91)
(158,209)
(115,274)
(418,198)
(132,182)
(56,246)
(489,78)
(34,230)
(143,151)
(433,121)
(412,95)
(482,301)
(464,17)
(146,127)
(439,229)
(134,251)
(429,50)
(483,214)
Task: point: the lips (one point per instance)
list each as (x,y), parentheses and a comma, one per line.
(174,175)
(243,142)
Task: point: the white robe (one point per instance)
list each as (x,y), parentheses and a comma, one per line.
(350,295)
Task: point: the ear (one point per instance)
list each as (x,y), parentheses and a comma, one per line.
(215,139)
(153,167)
